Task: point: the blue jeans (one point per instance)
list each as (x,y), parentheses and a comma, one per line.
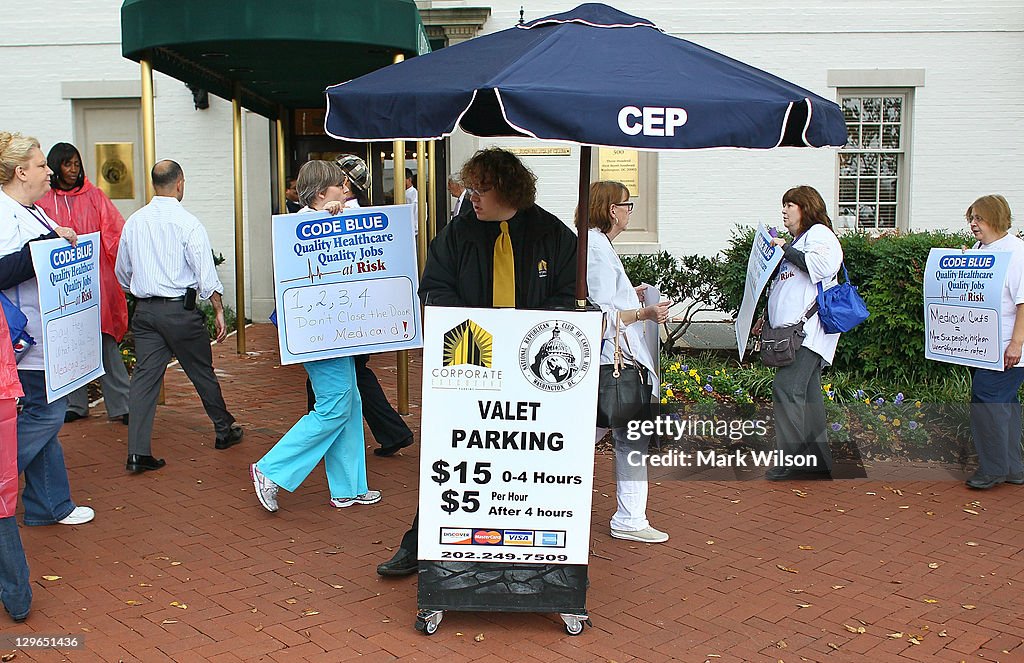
(47,494)
(996,420)
(15,590)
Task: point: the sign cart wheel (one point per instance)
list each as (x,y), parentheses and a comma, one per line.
(574,622)
(427,621)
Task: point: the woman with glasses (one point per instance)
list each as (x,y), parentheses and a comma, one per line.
(333,430)
(623,307)
(995,405)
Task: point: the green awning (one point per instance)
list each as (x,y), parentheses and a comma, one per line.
(280,53)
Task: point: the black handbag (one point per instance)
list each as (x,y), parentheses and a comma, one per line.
(624,389)
(779,346)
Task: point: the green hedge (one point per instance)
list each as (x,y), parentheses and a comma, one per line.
(888,270)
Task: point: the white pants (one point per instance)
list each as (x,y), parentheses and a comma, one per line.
(630,482)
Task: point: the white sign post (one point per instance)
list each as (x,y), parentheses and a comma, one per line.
(69,303)
(509,410)
(346,284)
(962,301)
(763,260)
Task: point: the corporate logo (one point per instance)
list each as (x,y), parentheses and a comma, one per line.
(542,269)
(466,360)
(554,355)
(515,537)
(456,536)
(487,537)
(555,539)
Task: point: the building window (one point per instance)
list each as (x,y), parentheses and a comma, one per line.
(873,165)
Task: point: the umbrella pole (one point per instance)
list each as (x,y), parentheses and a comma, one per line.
(582,224)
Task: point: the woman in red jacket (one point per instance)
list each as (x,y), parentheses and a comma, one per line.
(74,202)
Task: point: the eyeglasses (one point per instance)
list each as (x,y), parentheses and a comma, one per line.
(628,206)
(477,192)
(975,219)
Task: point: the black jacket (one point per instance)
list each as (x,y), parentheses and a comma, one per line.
(460,262)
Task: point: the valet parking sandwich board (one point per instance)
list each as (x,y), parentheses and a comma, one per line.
(962,302)
(509,405)
(69,305)
(346,284)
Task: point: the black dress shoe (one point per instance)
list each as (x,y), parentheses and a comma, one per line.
(392,449)
(1015,479)
(70,416)
(124,419)
(402,564)
(139,463)
(984,481)
(233,438)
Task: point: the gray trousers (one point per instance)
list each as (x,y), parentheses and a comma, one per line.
(162,329)
(799,405)
(115,384)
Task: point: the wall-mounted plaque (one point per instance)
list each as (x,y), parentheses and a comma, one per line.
(539,151)
(115,170)
(620,165)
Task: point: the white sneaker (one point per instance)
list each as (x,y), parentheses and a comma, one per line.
(80,516)
(266,490)
(648,535)
(369,497)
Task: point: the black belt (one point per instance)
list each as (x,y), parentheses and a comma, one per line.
(160,299)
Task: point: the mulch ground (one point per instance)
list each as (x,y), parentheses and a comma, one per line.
(185,565)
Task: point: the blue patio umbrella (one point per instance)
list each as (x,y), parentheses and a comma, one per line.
(593,76)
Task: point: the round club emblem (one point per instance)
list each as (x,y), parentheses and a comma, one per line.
(554,355)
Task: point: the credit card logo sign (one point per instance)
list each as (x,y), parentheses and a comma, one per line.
(487,537)
(451,536)
(550,539)
(518,537)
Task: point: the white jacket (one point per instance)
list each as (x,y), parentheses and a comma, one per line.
(609,288)
(794,290)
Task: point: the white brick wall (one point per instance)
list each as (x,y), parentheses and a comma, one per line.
(968,118)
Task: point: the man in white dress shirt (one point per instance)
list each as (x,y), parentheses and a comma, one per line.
(411,195)
(165,261)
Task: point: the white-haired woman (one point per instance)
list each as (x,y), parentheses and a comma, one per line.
(333,430)
(24,178)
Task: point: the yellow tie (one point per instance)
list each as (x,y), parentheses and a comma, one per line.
(504,270)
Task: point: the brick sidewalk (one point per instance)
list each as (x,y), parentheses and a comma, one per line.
(754,571)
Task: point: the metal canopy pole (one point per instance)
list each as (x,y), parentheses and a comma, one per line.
(148,127)
(402,356)
(432,210)
(421,202)
(281,183)
(236,121)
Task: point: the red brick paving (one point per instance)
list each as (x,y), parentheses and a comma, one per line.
(300,584)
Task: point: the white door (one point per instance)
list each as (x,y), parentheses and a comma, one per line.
(115,126)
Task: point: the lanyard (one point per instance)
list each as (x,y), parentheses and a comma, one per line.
(38,217)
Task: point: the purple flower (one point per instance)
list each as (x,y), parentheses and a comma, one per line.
(860,393)
(836,426)
(708,388)
(913,425)
(880,401)
(899,398)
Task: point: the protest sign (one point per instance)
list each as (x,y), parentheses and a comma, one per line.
(346,284)
(763,260)
(962,300)
(509,405)
(69,305)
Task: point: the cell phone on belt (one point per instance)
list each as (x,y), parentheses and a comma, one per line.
(190,299)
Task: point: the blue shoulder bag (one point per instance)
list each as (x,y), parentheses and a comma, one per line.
(840,308)
(16,323)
